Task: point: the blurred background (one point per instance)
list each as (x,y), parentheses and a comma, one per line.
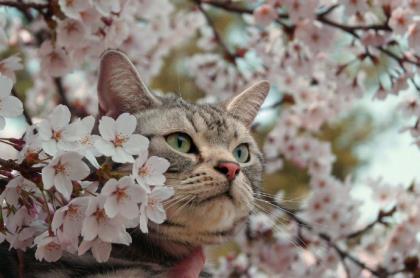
(367,141)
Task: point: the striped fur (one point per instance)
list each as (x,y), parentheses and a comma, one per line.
(206,208)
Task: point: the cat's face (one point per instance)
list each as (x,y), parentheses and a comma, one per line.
(216,166)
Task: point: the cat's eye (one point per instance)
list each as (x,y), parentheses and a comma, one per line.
(180,142)
(241,153)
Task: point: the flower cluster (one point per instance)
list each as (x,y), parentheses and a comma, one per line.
(64,194)
(321,57)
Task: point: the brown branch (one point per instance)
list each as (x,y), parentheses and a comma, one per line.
(228,55)
(24,6)
(62,93)
(322,17)
(379,220)
(344,254)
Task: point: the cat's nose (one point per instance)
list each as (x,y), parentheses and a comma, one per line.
(229,169)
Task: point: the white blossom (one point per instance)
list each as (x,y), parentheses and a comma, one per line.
(118,140)
(153,210)
(62,170)
(10,106)
(149,171)
(123,197)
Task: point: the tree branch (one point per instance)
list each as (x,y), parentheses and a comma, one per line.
(230,57)
(322,17)
(379,220)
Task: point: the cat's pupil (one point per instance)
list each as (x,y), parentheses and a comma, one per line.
(180,141)
(239,153)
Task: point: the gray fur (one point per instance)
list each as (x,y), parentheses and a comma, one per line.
(206,208)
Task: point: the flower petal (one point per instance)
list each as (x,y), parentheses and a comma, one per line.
(48,174)
(89,228)
(111,207)
(121,156)
(6,85)
(136,144)
(126,124)
(63,185)
(107,128)
(109,187)
(60,117)
(11,106)
(156,214)
(101,250)
(104,147)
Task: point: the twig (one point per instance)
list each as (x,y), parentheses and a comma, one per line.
(231,57)
(378,220)
(24,6)
(62,93)
(322,17)
(380,272)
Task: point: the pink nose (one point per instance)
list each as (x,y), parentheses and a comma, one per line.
(229,169)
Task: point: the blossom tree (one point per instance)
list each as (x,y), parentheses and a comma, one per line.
(322,55)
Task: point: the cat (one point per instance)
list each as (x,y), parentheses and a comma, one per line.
(216,170)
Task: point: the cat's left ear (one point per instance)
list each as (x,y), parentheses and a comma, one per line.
(245,106)
(120,87)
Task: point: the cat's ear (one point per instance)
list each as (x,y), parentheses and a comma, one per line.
(245,106)
(120,87)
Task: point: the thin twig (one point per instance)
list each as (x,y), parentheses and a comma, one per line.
(379,220)
(231,57)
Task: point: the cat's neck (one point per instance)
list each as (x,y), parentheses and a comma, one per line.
(153,249)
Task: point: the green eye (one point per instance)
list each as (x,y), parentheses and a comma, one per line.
(180,142)
(241,153)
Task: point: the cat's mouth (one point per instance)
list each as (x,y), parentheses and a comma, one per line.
(224,194)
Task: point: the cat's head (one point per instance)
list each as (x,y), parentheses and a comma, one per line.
(216,165)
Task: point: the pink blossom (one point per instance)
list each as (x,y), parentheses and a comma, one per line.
(98,225)
(264,15)
(70,33)
(153,209)
(54,60)
(48,248)
(123,197)
(62,170)
(149,171)
(101,250)
(9,65)
(118,140)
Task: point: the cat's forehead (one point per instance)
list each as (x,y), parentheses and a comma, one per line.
(213,123)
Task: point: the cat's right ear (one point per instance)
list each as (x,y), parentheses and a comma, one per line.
(120,87)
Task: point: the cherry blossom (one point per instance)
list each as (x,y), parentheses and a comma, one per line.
(264,15)
(153,210)
(149,171)
(56,133)
(70,33)
(74,8)
(62,170)
(10,106)
(14,189)
(54,59)
(70,217)
(321,57)
(9,65)
(101,250)
(48,248)
(83,130)
(123,197)
(98,225)
(118,140)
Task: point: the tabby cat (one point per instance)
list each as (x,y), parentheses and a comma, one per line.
(215,170)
